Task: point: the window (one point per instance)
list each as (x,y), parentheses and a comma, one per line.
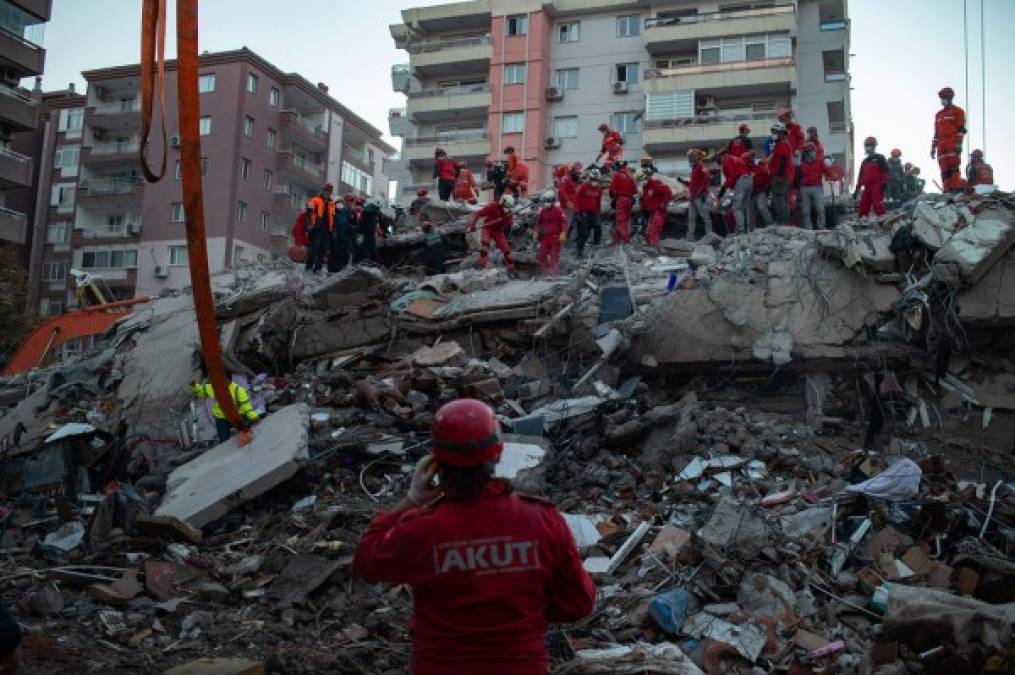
(67,158)
(514,73)
(204,167)
(55,308)
(71,121)
(178,256)
(206,83)
(237,253)
(54,271)
(357,179)
(751,48)
(269,177)
(241,211)
(265,221)
(709,54)
(62,197)
(756,52)
(109,259)
(569,32)
(565,127)
(204,125)
(57,231)
(834,63)
(116,224)
(517,25)
(245,168)
(274,96)
(567,78)
(628,26)
(176,212)
(261,258)
(627,72)
(272,138)
(252,83)
(670,105)
(248,126)
(370,155)
(625,122)
(836,117)
(513,123)
(177,169)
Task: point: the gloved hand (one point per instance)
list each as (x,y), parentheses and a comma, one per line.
(933,152)
(422,489)
(563,237)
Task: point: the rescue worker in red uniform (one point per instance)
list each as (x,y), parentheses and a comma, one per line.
(444,170)
(551,229)
(979,172)
(421,200)
(949,130)
(794,133)
(697,193)
(320,223)
(819,149)
(810,177)
(742,143)
(517,172)
(761,183)
(872,177)
(623,190)
(655,198)
(588,202)
(465,185)
(738,180)
(780,166)
(558,175)
(497,222)
(612,147)
(489,568)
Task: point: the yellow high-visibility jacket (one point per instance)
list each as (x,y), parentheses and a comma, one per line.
(240,397)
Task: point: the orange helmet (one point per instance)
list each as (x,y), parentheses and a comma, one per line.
(465,433)
(896,152)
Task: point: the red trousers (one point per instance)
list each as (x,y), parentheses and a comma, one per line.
(549,254)
(497,236)
(951,167)
(654,231)
(622,230)
(873,197)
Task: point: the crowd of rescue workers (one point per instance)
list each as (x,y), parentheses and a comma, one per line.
(781,183)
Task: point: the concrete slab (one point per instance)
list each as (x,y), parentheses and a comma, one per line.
(211,485)
(973,251)
(992,301)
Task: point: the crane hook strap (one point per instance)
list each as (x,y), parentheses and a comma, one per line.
(153,80)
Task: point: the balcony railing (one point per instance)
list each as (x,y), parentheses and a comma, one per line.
(294,117)
(16,156)
(437,45)
(660,21)
(102,187)
(702,69)
(465,136)
(118,107)
(838,127)
(836,76)
(17,95)
(702,120)
(116,147)
(397,112)
(481,88)
(304,164)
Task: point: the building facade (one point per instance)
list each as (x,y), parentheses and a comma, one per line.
(269,141)
(671,74)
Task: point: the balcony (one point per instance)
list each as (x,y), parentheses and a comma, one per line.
(399,123)
(42,9)
(450,16)
(25,56)
(740,78)
(17,110)
(672,135)
(401,77)
(676,34)
(473,146)
(13,226)
(306,173)
(429,105)
(357,158)
(15,169)
(96,190)
(303,131)
(110,152)
(449,57)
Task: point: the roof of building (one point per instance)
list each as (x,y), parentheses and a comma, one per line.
(246,54)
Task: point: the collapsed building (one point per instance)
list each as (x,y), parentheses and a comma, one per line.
(786,451)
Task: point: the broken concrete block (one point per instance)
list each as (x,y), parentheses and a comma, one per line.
(736,527)
(211,485)
(301,577)
(119,592)
(969,255)
(776,346)
(992,300)
(448,353)
(219,666)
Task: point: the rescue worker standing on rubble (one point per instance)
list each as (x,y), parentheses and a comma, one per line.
(612,147)
(761,183)
(588,202)
(569,190)
(742,143)
(978,172)
(913,185)
(872,177)
(496,176)
(949,130)
(367,221)
(497,222)
(781,169)
(421,200)
(738,180)
(465,185)
(489,568)
(810,181)
(434,256)
(895,175)
(819,148)
(623,190)
(202,389)
(551,230)
(444,170)
(320,224)
(697,193)
(341,235)
(655,198)
(794,133)
(517,172)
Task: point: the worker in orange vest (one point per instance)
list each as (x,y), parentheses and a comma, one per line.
(517,172)
(444,170)
(465,184)
(949,130)
(320,224)
(623,190)
(612,147)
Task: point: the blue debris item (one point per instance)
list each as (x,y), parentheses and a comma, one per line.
(669,609)
(615,303)
(672,282)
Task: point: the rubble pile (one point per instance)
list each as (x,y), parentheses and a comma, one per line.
(785,451)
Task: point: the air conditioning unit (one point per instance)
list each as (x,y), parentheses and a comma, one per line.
(552,142)
(174,140)
(554,93)
(620,87)
(162,271)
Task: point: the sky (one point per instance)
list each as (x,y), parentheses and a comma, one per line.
(903,52)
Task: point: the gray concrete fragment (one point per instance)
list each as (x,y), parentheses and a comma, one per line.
(973,251)
(736,527)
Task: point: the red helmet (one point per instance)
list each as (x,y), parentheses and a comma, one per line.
(604,127)
(489,162)
(978,154)
(329,186)
(360,200)
(947,92)
(422,192)
(509,150)
(465,433)
(870,140)
(577,167)
(812,131)
(785,113)
(744,129)
(438,152)
(896,152)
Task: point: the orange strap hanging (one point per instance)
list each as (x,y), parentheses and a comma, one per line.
(153,79)
(153,26)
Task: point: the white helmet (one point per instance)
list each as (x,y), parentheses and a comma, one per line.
(549,196)
(593,172)
(507,201)
(778,128)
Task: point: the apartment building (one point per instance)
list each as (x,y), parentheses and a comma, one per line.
(671,74)
(22,26)
(269,141)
